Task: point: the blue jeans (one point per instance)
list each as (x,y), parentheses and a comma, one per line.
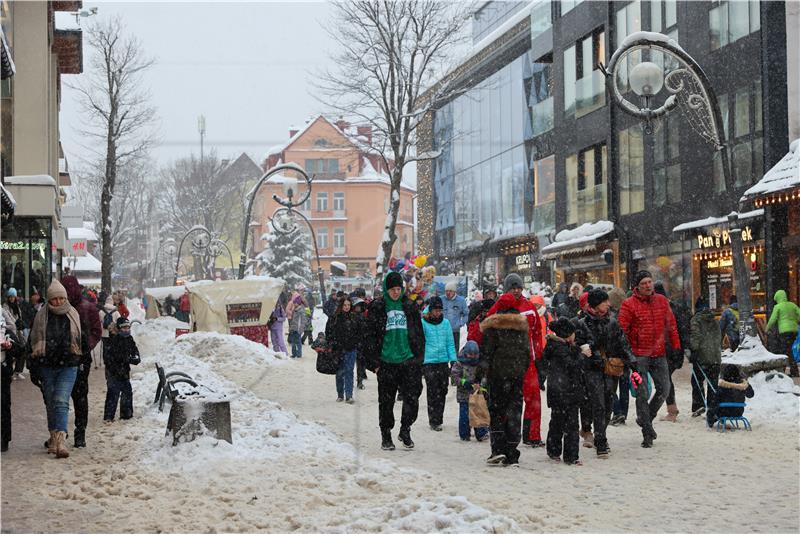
(116,387)
(297,346)
(621,402)
(57,383)
(463,422)
(344,376)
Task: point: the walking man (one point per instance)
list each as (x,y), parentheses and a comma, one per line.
(455,311)
(647,320)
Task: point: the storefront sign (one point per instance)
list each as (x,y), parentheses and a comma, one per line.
(523,261)
(721,238)
(13,245)
(243,314)
(719,262)
(76,247)
(72,216)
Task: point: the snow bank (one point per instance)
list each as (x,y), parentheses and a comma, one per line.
(752,356)
(776,399)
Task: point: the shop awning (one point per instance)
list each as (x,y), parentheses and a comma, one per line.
(715,221)
(7,68)
(582,239)
(780,183)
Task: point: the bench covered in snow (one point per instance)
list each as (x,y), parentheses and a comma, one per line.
(752,357)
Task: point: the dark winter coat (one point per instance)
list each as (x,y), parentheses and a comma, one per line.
(505,351)
(729,324)
(683,319)
(463,375)
(329,308)
(569,308)
(705,339)
(87,311)
(375,328)
(605,336)
(344,331)
(563,366)
(120,356)
(734,391)
(648,323)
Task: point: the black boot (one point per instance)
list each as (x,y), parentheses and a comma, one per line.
(526,431)
(80,438)
(405,438)
(386,440)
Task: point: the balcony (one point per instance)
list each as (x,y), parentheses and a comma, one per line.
(339,213)
(590,93)
(328,175)
(339,251)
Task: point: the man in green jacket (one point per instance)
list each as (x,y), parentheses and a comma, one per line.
(787,316)
(706,357)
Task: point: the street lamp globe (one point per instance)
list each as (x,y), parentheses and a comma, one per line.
(289,186)
(646,79)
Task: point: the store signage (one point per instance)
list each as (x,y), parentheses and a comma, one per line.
(721,238)
(720,262)
(13,245)
(76,247)
(523,260)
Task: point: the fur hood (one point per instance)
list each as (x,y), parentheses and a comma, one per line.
(505,321)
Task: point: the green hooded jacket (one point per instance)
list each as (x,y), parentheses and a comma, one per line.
(706,339)
(785,313)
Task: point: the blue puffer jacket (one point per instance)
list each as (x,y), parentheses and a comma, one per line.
(440,347)
(455,311)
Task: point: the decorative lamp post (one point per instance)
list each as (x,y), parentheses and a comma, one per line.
(689,89)
(215,248)
(200,241)
(170,242)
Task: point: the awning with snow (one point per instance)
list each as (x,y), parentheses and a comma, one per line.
(780,183)
(579,240)
(7,68)
(715,221)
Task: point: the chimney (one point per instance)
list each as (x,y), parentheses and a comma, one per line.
(342,124)
(292,131)
(365,131)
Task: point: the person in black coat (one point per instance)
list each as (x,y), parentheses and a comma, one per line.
(600,330)
(732,388)
(394,349)
(563,365)
(683,318)
(118,360)
(343,333)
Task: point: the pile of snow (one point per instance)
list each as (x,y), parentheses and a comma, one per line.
(776,399)
(584,235)
(752,356)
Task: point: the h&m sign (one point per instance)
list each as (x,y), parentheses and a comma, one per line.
(720,238)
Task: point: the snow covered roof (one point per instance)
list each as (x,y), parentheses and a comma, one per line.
(83,264)
(277,149)
(33,179)
(714,221)
(82,233)
(579,239)
(784,175)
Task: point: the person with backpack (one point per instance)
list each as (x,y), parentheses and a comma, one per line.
(786,317)
(729,323)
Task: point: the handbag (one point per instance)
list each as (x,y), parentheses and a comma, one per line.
(328,361)
(613,366)
(478,411)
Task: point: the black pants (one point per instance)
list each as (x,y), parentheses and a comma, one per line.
(712,372)
(600,397)
(563,429)
(672,369)
(407,379)
(785,342)
(437,380)
(307,335)
(505,413)
(5,401)
(361,373)
(80,396)
(457,338)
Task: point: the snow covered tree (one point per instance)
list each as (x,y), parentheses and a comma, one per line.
(286,257)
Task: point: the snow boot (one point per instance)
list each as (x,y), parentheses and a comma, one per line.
(537,443)
(617,420)
(588,439)
(496,459)
(61,445)
(698,412)
(672,413)
(386,440)
(50,444)
(80,438)
(405,438)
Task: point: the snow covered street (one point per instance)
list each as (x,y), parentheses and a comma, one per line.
(301,461)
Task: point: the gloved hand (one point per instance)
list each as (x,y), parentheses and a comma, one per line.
(636,379)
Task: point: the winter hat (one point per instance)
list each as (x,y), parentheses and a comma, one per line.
(583,300)
(658,287)
(123,322)
(489,287)
(562,327)
(469,353)
(597,297)
(733,300)
(56,290)
(394,279)
(11,292)
(700,304)
(451,286)
(641,275)
(435,303)
(512,281)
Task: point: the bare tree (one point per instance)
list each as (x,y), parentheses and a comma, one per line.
(389,54)
(119,117)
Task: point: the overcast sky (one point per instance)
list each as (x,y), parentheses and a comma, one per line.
(245,66)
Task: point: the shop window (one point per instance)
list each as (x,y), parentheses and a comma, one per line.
(729,21)
(631,170)
(586,189)
(26,255)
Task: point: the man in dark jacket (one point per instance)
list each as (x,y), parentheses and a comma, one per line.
(598,329)
(675,357)
(560,297)
(394,349)
(329,308)
(90,323)
(706,357)
(650,326)
(505,358)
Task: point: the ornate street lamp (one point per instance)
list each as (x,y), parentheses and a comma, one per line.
(200,241)
(215,249)
(689,89)
(170,242)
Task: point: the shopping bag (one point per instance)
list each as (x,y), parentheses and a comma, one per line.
(478,411)
(796,347)
(328,361)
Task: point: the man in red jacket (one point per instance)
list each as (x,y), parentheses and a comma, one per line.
(90,323)
(532,417)
(647,319)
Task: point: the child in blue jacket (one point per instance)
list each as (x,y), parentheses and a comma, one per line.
(440,351)
(462,375)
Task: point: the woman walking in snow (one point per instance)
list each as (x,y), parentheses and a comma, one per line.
(343,332)
(296,313)
(440,353)
(276,320)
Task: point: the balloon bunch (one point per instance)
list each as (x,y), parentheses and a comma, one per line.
(409,267)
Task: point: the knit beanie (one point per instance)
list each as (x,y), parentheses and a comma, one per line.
(658,287)
(56,290)
(394,279)
(11,292)
(512,280)
(435,303)
(597,297)
(641,275)
(470,352)
(451,286)
(562,327)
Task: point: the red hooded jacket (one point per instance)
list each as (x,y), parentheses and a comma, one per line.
(648,321)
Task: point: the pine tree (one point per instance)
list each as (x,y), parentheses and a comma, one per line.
(286,257)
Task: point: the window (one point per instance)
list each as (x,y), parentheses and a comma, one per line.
(631,170)
(322,166)
(322,201)
(729,21)
(541,99)
(322,237)
(744,134)
(306,206)
(568,5)
(569,81)
(663,15)
(666,163)
(321,142)
(586,189)
(541,18)
(338,238)
(629,20)
(544,184)
(338,201)
(590,84)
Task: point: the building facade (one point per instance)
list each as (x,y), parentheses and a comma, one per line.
(31,162)
(349,199)
(571,188)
